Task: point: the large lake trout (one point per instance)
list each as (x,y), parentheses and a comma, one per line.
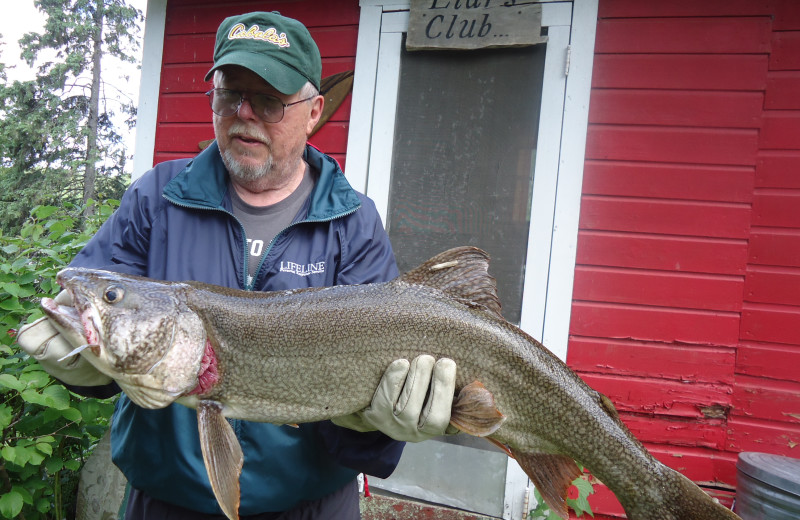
(313,354)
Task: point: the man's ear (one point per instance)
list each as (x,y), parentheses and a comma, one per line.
(316,112)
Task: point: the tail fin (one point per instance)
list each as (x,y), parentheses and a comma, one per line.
(682,500)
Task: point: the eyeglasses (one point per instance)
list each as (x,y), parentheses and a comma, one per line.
(225,102)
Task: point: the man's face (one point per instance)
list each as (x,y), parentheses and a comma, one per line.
(253,149)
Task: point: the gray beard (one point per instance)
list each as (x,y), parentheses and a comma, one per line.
(246,172)
(270,171)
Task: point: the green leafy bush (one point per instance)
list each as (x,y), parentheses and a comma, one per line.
(47,431)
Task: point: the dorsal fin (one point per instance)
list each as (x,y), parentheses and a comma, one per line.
(461,273)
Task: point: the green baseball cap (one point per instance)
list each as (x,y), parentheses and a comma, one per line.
(277,48)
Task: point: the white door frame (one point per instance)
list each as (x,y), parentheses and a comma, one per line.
(553,234)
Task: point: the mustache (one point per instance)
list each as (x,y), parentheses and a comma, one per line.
(239,129)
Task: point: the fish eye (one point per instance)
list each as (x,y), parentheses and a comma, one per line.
(113,294)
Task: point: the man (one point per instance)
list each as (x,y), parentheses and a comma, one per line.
(259,209)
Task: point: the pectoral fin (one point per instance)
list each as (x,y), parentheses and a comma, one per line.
(552,475)
(474,411)
(222,456)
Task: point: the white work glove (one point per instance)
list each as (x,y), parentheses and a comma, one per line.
(400,408)
(46,343)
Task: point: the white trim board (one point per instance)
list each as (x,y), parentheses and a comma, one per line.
(147,112)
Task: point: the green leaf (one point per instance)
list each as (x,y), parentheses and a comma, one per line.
(9,453)
(14,289)
(24,493)
(43,505)
(57,397)
(6,414)
(54,464)
(9,381)
(42,212)
(72,414)
(36,378)
(34,457)
(19,455)
(584,486)
(11,304)
(11,504)
(33,397)
(45,445)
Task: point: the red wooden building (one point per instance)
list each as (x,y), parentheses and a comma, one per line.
(671,206)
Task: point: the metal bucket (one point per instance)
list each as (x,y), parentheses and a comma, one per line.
(768,487)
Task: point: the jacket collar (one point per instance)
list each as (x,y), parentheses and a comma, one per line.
(203,183)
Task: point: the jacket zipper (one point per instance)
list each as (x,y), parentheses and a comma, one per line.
(279,233)
(247,286)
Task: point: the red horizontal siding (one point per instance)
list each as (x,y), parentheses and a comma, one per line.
(778,169)
(193,48)
(331,138)
(193,108)
(775,247)
(184,78)
(785,53)
(681,254)
(672,144)
(684,35)
(661,397)
(778,285)
(182,137)
(782,89)
(780,129)
(666,217)
(780,438)
(668,181)
(776,208)
(184,108)
(637,8)
(199,19)
(692,432)
(770,361)
(662,289)
(166,156)
(655,360)
(604,503)
(699,464)
(685,72)
(676,108)
(785,15)
(188,48)
(771,400)
(608,320)
(770,324)
(693,151)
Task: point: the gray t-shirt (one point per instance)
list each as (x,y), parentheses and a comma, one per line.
(263,223)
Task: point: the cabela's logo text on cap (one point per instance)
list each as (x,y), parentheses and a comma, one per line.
(239,32)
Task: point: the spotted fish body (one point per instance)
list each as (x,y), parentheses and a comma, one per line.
(313,354)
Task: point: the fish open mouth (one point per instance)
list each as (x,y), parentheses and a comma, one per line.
(79,325)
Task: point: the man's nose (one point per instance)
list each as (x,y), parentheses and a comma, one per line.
(246,110)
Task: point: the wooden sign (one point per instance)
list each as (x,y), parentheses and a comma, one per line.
(473,24)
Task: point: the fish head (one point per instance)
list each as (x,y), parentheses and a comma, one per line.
(138,331)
